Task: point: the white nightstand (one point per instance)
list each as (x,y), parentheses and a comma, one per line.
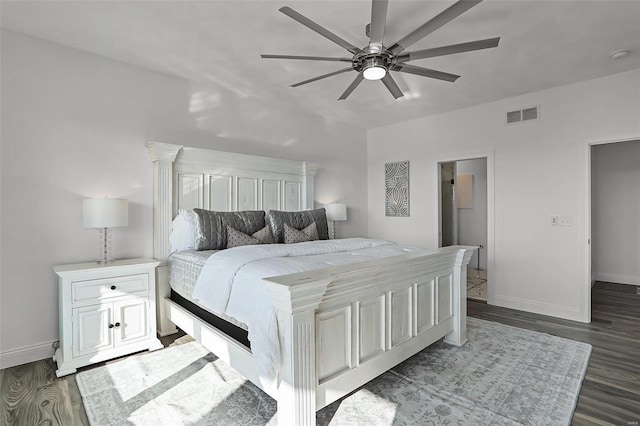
(105,311)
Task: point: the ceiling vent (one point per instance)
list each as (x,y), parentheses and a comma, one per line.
(522,115)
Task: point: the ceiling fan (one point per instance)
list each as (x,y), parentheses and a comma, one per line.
(376,60)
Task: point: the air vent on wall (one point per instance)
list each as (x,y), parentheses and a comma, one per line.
(522,115)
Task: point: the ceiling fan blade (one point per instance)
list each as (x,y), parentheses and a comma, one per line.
(425,72)
(378,21)
(351,87)
(390,83)
(449,50)
(430,26)
(319,29)
(307,58)
(320,77)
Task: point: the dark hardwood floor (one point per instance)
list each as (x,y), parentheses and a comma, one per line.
(31,394)
(610,392)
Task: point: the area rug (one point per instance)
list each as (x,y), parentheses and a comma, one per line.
(502,376)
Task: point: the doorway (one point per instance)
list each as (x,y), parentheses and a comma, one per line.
(595,216)
(615,208)
(464,217)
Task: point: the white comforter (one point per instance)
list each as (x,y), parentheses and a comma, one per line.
(230,283)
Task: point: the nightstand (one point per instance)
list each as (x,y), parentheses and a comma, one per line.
(105,311)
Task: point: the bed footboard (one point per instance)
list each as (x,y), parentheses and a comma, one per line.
(341,327)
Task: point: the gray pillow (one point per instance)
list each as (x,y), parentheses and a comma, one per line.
(211,227)
(298,220)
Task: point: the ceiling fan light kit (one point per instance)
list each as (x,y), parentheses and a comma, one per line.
(374,69)
(374,72)
(375,61)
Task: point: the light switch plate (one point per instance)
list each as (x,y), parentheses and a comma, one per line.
(564,221)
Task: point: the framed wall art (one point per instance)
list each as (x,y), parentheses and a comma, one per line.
(396,180)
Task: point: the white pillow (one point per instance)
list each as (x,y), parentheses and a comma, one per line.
(183,231)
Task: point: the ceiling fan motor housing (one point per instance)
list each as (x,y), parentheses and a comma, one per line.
(362,61)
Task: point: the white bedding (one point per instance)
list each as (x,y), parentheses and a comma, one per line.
(230,283)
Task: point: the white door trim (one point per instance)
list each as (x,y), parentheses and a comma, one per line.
(455,207)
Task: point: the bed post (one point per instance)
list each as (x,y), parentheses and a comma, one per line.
(163,155)
(308,173)
(458,336)
(295,309)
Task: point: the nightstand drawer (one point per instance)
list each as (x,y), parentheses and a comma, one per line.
(109,287)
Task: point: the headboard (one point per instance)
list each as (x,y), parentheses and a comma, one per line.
(186,178)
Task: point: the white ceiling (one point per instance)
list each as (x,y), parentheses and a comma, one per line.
(217,45)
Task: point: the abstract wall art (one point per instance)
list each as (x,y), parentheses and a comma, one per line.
(464,191)
(396,180)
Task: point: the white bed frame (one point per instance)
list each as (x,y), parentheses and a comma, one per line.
(339,327)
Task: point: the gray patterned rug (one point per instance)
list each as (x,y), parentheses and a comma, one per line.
(502,376)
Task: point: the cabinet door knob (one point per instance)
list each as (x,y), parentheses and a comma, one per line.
(117,324)
(110,325)
(113,287)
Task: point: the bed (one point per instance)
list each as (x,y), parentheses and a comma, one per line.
(337,327)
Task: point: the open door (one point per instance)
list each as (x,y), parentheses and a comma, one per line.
(448,209)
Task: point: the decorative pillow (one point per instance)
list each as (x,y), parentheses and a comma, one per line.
(264,236)
(292,235)
(183,231)
(297,220)
(211,229)
(236,238)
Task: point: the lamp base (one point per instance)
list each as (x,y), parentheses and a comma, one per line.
(333,229)
(105,246)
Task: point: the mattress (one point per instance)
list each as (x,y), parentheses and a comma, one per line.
(184,270)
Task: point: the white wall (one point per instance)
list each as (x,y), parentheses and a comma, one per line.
(472,222)
(615,212)
(74,125)
(539,170)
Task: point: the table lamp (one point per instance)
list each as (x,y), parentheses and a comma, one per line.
(105,213)
(336,212)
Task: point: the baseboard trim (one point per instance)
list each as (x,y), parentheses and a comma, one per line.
(26,354)
(538,307)
(618,278)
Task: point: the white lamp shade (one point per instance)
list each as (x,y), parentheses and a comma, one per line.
(336,212)
(105,212)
